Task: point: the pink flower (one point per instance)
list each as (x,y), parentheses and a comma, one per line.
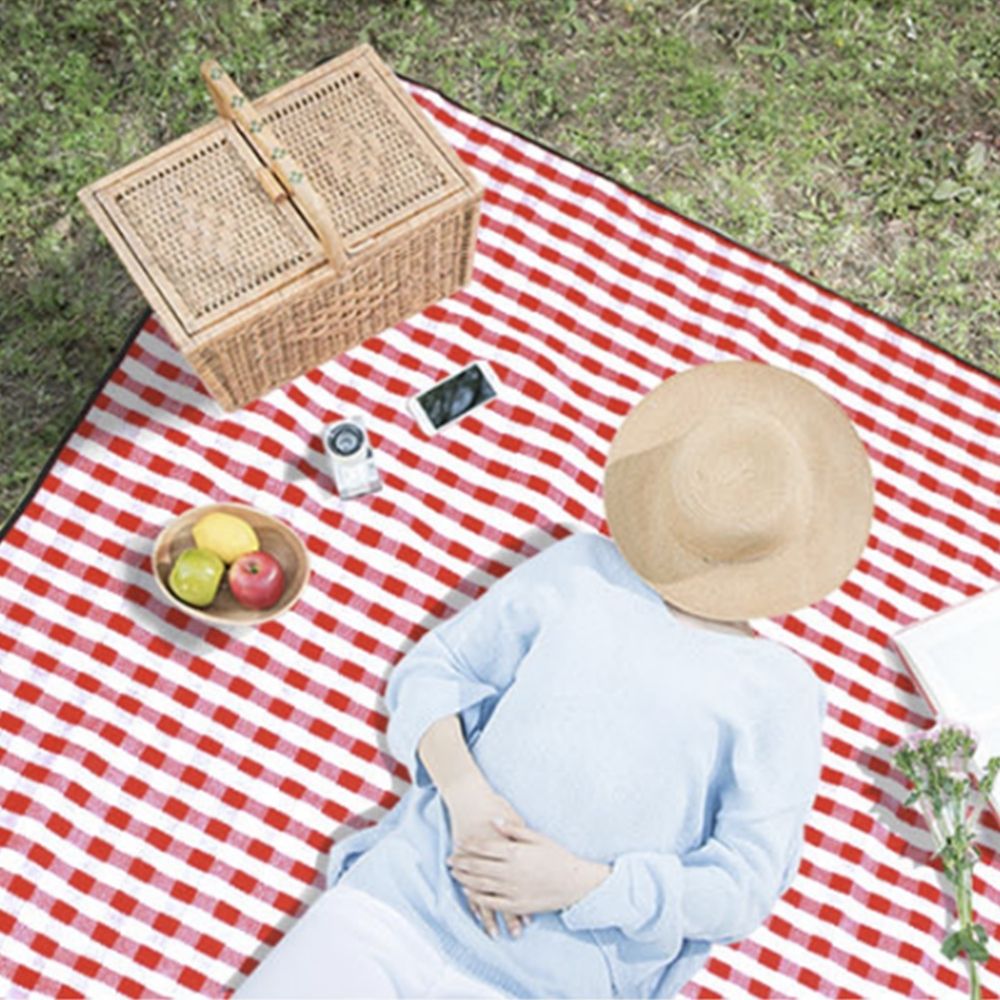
(914,739)
(942,726)
(964,729)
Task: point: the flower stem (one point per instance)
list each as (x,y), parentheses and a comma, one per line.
(964,903)
(938,767)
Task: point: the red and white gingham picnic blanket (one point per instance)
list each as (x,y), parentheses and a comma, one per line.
(168,790)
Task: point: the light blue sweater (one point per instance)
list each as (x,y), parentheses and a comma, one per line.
(685,758)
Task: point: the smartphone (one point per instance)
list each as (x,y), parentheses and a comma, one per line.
(454,396)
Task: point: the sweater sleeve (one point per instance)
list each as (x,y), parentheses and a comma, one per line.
(723,889)
(464,665)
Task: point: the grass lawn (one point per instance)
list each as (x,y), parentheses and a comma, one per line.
(856,141)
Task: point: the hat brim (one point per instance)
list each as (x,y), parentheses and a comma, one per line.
(817,553)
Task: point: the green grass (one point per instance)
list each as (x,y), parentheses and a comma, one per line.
(859,142)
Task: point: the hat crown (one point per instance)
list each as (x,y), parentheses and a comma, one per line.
(737,483)
(738,490)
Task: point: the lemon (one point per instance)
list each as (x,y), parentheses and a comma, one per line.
(227,535)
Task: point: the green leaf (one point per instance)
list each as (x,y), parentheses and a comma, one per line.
(977,952)
(976,159)
(992,768)
(953,944)
(949,190)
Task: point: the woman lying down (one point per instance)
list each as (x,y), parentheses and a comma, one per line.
(611,771)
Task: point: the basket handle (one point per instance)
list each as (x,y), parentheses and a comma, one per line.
(234,106)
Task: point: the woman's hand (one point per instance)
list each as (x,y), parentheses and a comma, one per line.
(472,808)
(517,870)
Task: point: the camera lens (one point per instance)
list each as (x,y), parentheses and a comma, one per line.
(346,440)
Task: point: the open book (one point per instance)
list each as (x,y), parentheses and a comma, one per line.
(954,657)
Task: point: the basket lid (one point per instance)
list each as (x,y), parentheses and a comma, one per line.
(208,235)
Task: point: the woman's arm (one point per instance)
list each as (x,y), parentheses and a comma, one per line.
(648,902)
(723,889)
(443,691)
(446,756)
(464,665)
(524,872)
(471,802)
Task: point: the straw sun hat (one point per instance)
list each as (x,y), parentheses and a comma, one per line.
(738,490)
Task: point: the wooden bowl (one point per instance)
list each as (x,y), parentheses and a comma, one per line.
(276,538)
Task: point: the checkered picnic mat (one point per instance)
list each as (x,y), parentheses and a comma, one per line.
(169,789)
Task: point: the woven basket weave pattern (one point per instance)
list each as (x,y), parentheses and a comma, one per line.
(361,161)
(224,244)
(403,279)
(215,231)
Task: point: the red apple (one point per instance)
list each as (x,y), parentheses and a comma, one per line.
(256,580)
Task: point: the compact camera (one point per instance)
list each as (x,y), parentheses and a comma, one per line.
(352,462)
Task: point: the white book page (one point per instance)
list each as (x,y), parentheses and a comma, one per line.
(956,655)
(988,746)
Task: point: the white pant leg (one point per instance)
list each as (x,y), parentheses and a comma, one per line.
(350,944)
(456,985)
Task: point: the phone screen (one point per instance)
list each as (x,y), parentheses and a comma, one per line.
(455,396)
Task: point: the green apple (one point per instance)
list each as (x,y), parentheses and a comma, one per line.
(196,575)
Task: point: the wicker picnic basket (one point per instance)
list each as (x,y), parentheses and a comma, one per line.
(288,230)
